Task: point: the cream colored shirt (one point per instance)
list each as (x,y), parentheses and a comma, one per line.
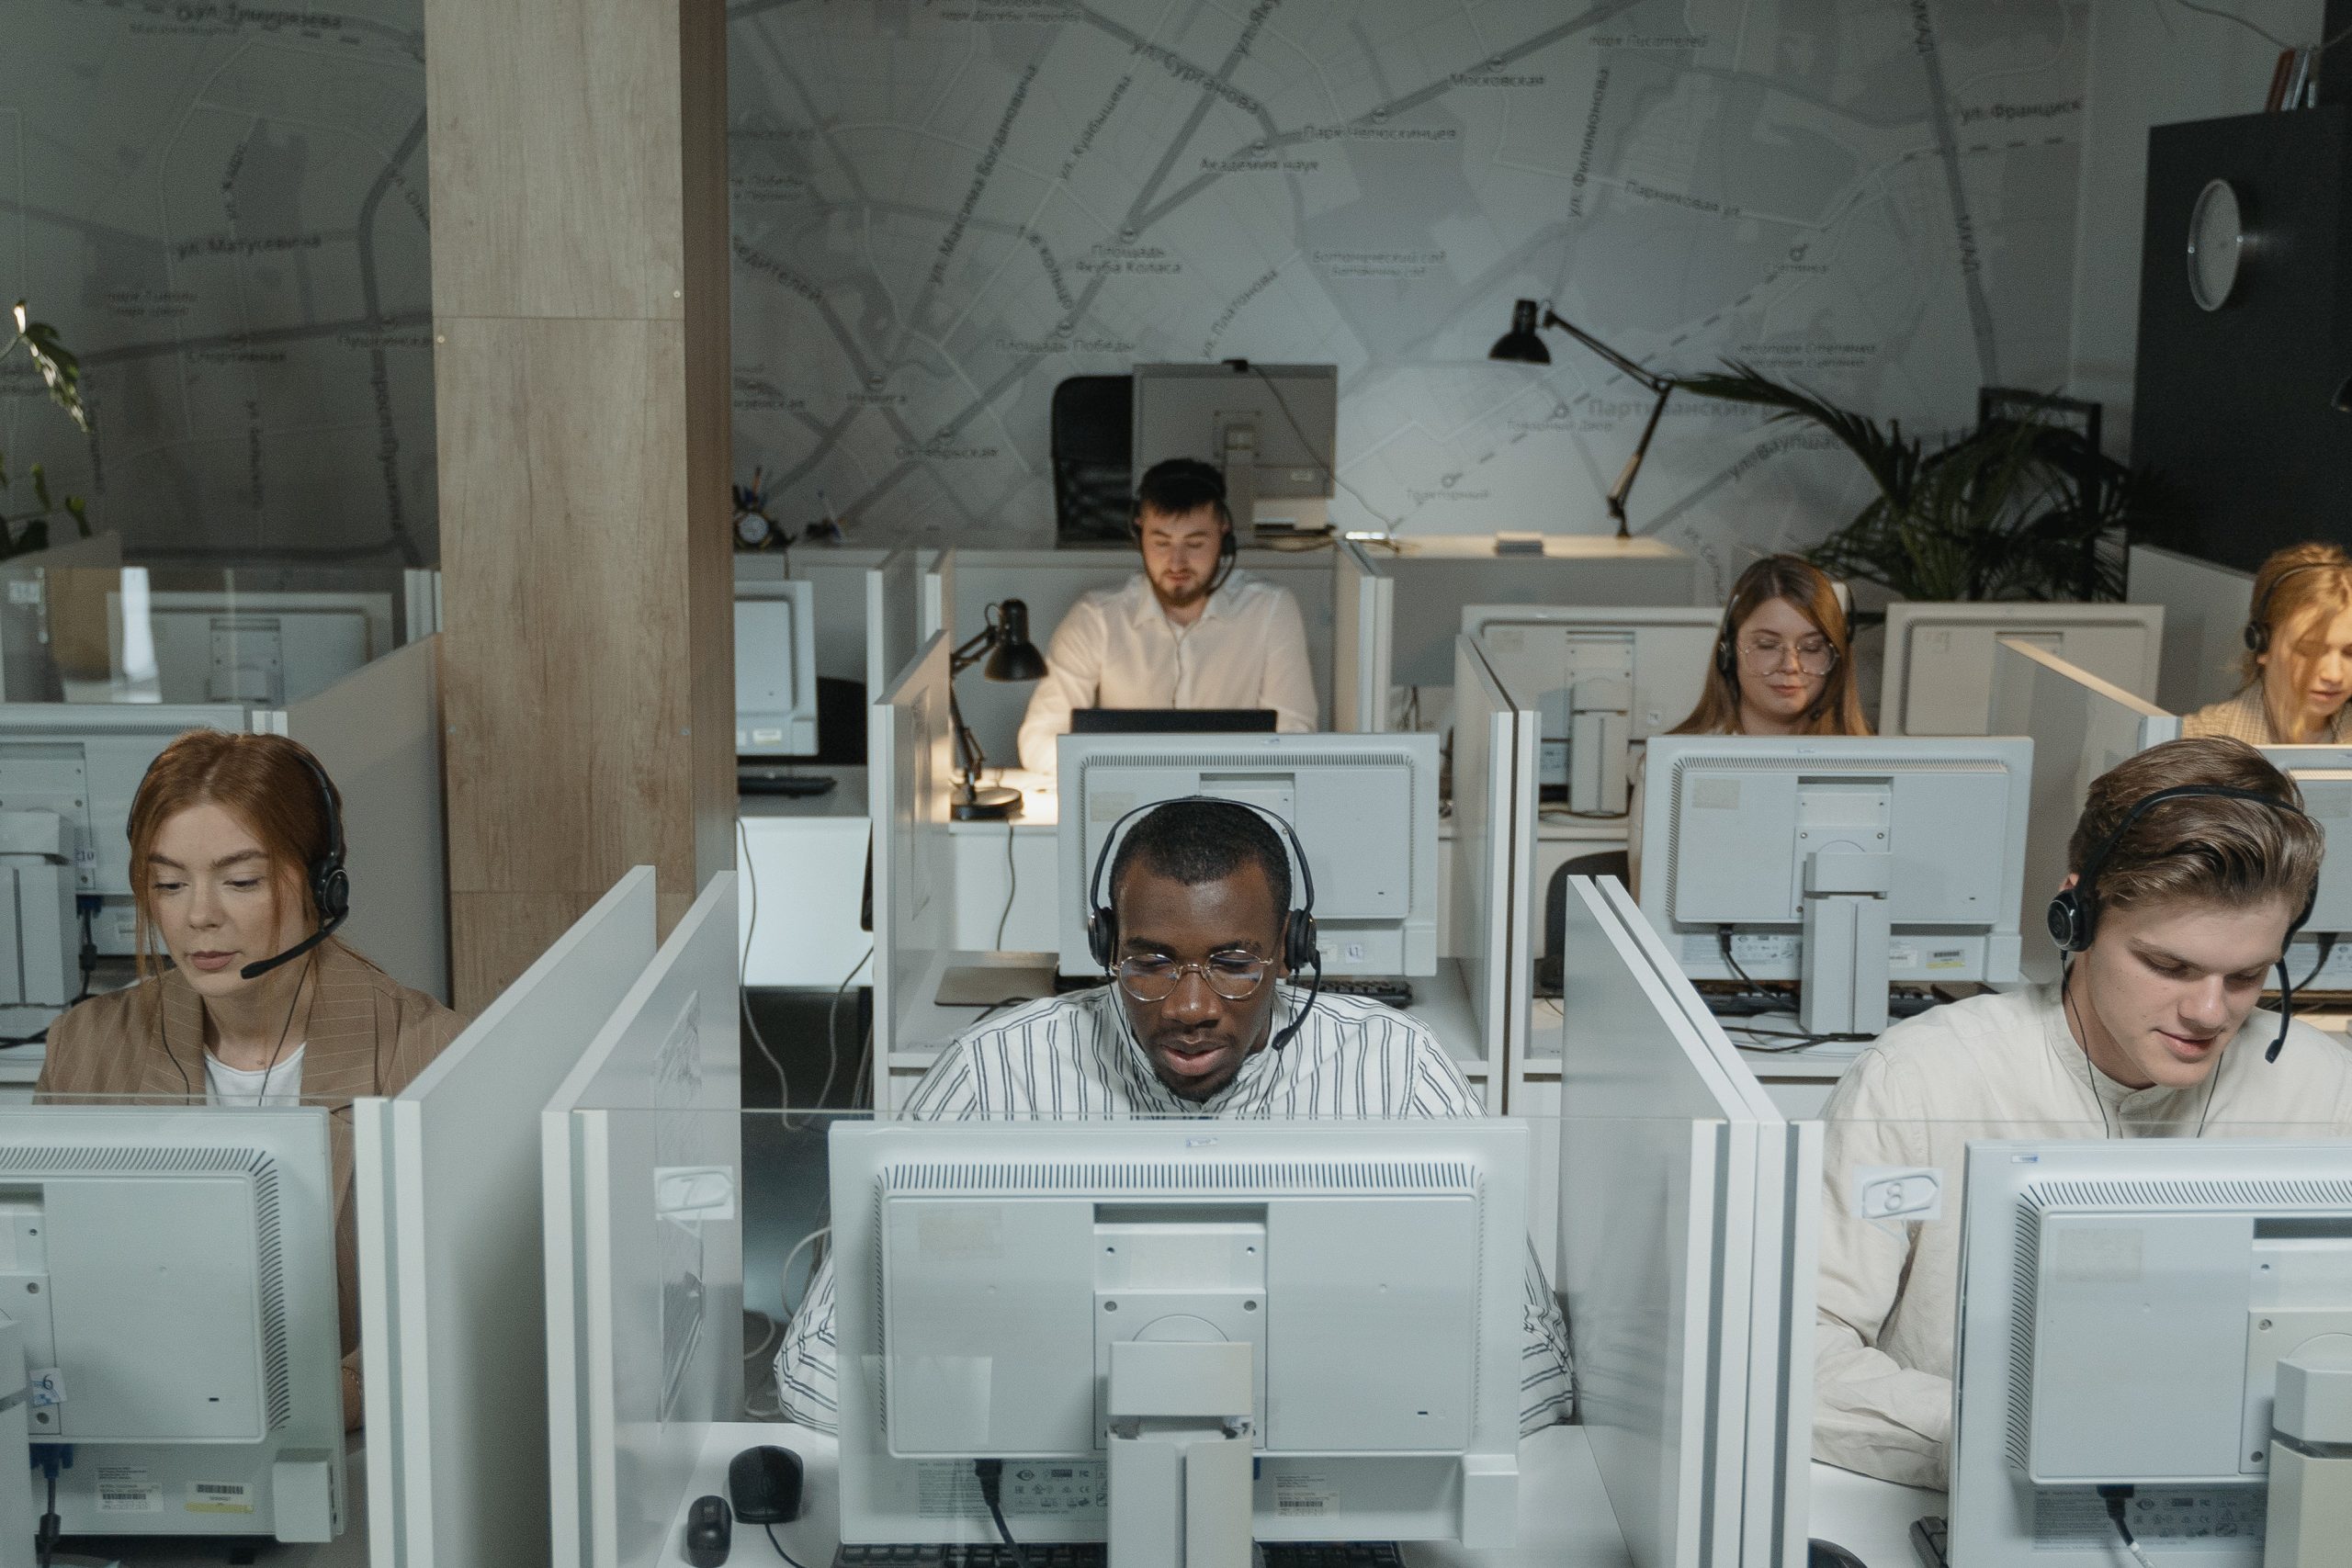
(2242,717)
(1993,1067)
(1118,649)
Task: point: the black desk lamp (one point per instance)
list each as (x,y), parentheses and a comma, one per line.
(1523,343)
(1004,643)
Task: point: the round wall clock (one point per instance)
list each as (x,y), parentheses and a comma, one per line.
(2216,241)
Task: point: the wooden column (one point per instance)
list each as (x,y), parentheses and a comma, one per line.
(579,276)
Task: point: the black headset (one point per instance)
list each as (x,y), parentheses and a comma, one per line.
(330,883)
(1228,545)
(1300,949)
(2074,912)
(2258,624)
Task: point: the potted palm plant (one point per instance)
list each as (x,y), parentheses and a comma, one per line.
(22,532)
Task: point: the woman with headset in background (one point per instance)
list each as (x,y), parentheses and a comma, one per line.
(1783,665)
(236,856)
(2298,664)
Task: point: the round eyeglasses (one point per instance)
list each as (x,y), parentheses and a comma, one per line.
(1149,977)
(1763,653)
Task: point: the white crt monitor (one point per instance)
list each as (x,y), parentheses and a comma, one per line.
(2123,1309)
(1843,863)
(1005,1289)
(1604,679)
(176,1266)
(775,668)
(1364,808)
(1937,678)
(2322,957)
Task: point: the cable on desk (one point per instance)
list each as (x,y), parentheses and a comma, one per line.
(833,1047)
(743,967)
(780,1551)
(1012,884)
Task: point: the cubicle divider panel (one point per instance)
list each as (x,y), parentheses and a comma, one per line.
(641,1161)
(378,733)
(2081,726)
(894,619)
(910,775)
(938,599)
(1364,610)
(446,1189)
(2205,608)
(1493,851)
(1778,1503)
(1674,1285)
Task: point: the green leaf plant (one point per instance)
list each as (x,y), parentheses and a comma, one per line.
(21,532)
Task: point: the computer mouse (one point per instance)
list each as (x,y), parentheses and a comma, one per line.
(1819,1553)
(765,1484)
(710,1534)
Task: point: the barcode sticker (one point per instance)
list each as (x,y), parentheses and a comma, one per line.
(129,1497)
(1299,1493)
(219,1497)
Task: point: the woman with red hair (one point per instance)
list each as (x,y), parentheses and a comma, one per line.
(244,996)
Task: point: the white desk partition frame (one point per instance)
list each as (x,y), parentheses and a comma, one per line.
(641,1160)
(2205,608)
(2323,773)
(2081,726)
(1364,610)
(939,598)
(909,774)
(1494,860)
(775,668)
(1562,661)
(1688,1242)
(447,1191)
(894,601)
(378,733)
(1937,678)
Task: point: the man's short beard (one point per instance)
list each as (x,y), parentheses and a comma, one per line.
(1199,592)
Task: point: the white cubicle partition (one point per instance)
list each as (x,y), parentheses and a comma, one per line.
(1364,610)
(2081,726)
(378,733)
(1494,862)
(1687,1250)
(447,1186)
(894,618)
(1938,679)
(641,1162)
(910,772)
(939,598)
(2205,608)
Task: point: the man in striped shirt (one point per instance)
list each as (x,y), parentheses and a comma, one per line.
(1197,1023)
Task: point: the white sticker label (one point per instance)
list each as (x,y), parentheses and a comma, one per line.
(129,1497)
(46,1387)
(1297,1495)
(219,1497)
(948,1491)
(1899,1193)
(24,590)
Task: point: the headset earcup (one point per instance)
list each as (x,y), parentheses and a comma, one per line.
(2257,638)
(2069,922)
(331,886)
(1299,951)
(1102,935)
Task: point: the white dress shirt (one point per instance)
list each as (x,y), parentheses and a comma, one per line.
(1993,1067)
(1074,1057)
(1118,649)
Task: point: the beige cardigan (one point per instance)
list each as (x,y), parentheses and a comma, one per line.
(368,1035)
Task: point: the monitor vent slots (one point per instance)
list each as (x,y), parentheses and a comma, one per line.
(2022,1318)
(2265,1196)
(278,1370)
(1442,1177)
(54,1162)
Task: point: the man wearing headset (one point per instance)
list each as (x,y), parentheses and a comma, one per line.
(1188,631)
(1201,935)
(2189,869)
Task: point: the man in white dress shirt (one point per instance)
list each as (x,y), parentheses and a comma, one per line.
(1195,1022)
(2153,1033)
(1188,631)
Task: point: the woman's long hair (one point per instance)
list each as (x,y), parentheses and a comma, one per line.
(1837,711)
(2295,585)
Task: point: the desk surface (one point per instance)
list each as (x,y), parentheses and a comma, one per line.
(1565,1519)
(1870,1518)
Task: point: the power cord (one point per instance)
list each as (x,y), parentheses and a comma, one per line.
(990,1473)
(2116,1496)
(832,1048)
(780,1551)
(1012,884)
(53,1457)
(1330,472)
(744,966)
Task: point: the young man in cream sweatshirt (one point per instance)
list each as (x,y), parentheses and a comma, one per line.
(2184,906)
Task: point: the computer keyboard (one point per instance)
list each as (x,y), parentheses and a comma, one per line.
(1929,1537)
(756,779)
(1093,1555)
(1395,993)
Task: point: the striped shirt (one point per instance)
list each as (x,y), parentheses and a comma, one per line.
(1074,1057)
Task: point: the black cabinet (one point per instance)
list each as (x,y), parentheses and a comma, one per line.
(2235,406)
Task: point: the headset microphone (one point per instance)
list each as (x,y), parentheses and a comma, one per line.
(330,883)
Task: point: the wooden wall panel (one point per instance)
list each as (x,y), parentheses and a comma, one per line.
(582,383)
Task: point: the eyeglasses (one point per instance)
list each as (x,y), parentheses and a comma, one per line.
(1763,653)
(1149,977)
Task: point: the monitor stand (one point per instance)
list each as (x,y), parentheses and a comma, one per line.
(1849,923)
(1182,1454)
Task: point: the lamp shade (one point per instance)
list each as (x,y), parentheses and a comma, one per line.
(1014,657)
(1521,343)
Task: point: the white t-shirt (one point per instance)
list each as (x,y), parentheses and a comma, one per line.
(225,1085)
